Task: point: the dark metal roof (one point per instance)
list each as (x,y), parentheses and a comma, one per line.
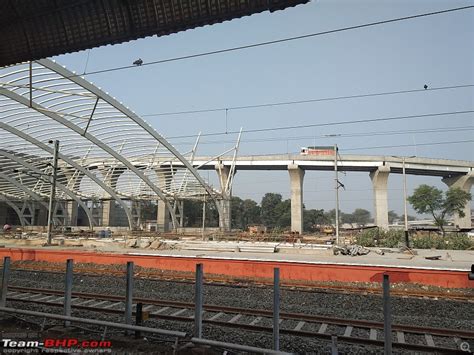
(34,29)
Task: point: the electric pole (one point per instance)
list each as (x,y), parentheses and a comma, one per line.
(52,195)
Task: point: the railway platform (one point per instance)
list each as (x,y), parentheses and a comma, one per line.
(298,266)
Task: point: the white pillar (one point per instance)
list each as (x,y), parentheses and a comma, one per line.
(225,213)
(296,186)
(464,182)
(165,179)
(111,176)
(163,217)
(72,210)
(379,179)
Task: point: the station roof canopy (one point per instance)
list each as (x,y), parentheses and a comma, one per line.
(31,30)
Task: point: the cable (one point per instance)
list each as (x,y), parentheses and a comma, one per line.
(279,40)
(411,145)
(394,118)
(297,102)
(376,147)
(348,135)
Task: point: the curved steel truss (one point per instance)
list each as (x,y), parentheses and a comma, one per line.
(106,151)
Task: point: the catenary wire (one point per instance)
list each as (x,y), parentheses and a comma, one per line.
(411,145)
(342,135)
(297,102)
(326,124)
(378,147)
(282,40)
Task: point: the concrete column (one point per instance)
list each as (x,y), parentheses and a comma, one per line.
(296,186)
(42,215)
(379,179)
(3,213)
(165,179)
(225,213)
(111,176)
(72,209)
(74,179)
(464,182)
(178,208)
(163,217)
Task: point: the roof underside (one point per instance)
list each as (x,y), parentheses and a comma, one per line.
(31,30)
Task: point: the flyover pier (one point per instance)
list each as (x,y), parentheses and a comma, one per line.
(452,172)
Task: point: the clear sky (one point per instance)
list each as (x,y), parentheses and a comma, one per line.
(437,51)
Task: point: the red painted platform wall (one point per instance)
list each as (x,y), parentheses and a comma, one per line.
(293,272)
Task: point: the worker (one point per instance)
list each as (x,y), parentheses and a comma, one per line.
(7,228)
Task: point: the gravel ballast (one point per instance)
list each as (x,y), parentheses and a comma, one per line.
(412,311)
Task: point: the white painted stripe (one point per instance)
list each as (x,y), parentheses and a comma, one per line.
(256,320)
(299,326)
(298,262)
(322,328)
(401,337)
(429,340)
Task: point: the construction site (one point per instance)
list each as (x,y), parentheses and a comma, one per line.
(98,251)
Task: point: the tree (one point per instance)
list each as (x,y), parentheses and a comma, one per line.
(429,199)
(236,207)
(392,216)
(331,216)
(409,218)
(361,216)
(148,210)
(269,214)
(283,214)
(251,213)
(312,218)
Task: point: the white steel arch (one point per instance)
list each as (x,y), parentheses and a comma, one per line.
(25,189)
(15,208)
(71,162)
(41,100)
(58,184)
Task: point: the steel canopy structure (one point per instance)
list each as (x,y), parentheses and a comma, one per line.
(100,142)
(31,30)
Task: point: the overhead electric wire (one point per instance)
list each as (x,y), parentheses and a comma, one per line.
(296,102)
(347,135)
(388,146)
(326,124)
(410,145)
(260,44)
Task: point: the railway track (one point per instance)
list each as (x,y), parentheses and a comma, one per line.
(222,281)
(347,330)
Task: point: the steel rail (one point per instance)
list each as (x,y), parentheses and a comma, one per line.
(164,332)
(220,281)
(244,311)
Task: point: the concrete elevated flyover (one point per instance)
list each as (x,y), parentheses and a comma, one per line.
(453,173)
(415,166)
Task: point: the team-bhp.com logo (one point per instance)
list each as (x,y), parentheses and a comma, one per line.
(56,345)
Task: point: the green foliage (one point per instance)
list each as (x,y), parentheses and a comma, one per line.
(312,218)
(269,204)
(244,213)
(452,241)
(392,217)
(275,212)
(426,199)
(394,239)
(380,238)
(429,199)
(361,216)
(455,200)
(148,210)
(193,214)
